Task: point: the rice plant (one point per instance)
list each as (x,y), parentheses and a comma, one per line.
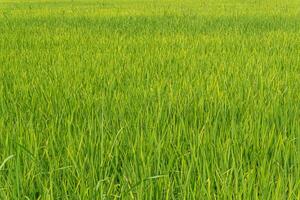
(149,99)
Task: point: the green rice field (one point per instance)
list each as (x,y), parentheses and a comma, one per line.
(150,99)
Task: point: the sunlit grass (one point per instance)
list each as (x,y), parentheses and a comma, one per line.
(149,99)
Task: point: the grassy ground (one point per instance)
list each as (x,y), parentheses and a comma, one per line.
(149,99)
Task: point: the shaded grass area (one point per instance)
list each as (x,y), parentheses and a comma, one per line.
(166,25)
(149,107)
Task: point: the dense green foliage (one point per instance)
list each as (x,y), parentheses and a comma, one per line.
(149,99)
